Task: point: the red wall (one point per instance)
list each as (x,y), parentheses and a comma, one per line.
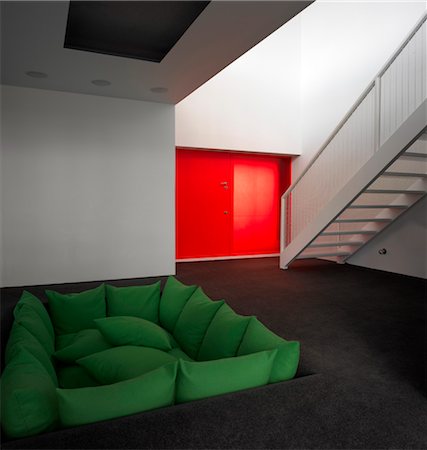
(228,204)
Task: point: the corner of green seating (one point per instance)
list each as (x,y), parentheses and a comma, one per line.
(71,313)
(224,335)
(258,338)
(20,338)
(29,318)
(174,297)
(29,404)
(194,320)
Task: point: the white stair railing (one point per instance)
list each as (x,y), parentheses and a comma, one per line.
(396,92)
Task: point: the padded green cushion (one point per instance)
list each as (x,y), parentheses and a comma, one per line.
(152,390)
(258,338)
(83,343)
(174,297)
(29,404)
(126,330)
(73,377)
(136,301)
(31,321)
(71,313)
(21,338)
(122,363)
(31,300)
(64,340)
(224,335)
(205,379)
(194,320)
(178,353)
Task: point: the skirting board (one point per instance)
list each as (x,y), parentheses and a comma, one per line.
(220,258)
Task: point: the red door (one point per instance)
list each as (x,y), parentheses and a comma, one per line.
(227,203)
(256,205)
(203,204)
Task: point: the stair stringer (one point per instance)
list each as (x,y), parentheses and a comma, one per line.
(383,157)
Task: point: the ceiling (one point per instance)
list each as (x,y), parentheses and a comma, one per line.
(33,33)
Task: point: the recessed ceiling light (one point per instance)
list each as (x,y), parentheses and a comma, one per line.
(101,82)
(35,74)
(159,90)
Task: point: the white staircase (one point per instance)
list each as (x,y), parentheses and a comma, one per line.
(370,171)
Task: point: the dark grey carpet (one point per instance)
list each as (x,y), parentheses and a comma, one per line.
(362,334)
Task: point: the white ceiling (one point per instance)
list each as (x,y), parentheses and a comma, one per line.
(33,37)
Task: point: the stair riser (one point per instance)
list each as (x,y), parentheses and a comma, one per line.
(336,244)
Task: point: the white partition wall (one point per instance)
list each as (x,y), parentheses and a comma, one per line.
(87,187)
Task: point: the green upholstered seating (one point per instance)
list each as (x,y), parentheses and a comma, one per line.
(114,351)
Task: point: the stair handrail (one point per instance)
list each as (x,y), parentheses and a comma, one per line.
(359,100)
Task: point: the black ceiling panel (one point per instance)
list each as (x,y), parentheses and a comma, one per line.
(133,29)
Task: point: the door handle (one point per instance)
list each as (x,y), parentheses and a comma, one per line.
(225,212)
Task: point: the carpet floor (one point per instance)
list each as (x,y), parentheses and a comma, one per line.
(363,339)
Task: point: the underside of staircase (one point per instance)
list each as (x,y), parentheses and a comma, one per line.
(370,171)
(389,196)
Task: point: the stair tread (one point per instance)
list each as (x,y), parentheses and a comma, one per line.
(321,255)
(335,244)
(379,206)
(336,233)
(404,174)
(414,155)
(393,191)
(363,220)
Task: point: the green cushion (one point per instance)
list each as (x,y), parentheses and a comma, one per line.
(126,330)
(31,300)
(122,363)
(21,338)
(83,343)
(31,321)
(178,353)
(224,335)
(194,320)
(71,313)
(174,297)
(29,404)
(258,338)
(205,379)
(73,377)
(64,340)
(136,301)
(92,404)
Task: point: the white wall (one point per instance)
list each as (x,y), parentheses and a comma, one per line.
(288,93)
(405,241)
(344,44)
(87,187)
(253,104)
